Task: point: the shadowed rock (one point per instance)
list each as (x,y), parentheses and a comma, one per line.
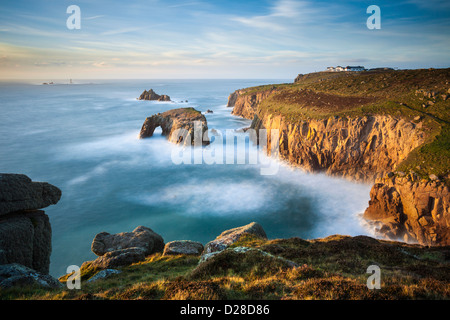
(25,232)
(26,238)
(14,275)
(18,192)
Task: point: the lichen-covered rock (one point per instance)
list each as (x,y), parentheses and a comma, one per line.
(152,95)
(405,208)
(103,274)
(185,126)
(13,275)
(230,236)
(141,237)
(241,260)
(18,193)
(119,258)
(184,247)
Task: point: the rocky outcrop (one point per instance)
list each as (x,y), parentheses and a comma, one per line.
(117,258)
(19,193)
(183,247)
(17,275)
(220,262)
(361,148)
(298,78)
(25,233)
(142,237)
(245,103)
(229,237)
(409,209)
(185,126)
(152,95)
(125,248)
(26,238)
(103,274)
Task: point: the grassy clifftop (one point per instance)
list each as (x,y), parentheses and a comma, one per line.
(330,268)
(421,96)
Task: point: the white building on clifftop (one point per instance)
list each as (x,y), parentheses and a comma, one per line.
(347,68)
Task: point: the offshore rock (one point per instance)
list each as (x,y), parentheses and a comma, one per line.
(152,95)
(185,126)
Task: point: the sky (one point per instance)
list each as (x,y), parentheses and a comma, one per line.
(233,39)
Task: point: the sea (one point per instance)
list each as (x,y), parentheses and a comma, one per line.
(83,138)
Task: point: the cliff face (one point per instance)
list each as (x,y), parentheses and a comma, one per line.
(409,209)
(361,148)
(245,105)
(364,148)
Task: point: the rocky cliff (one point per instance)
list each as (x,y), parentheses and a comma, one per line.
(318,134)
(25,232)
(361,148)
(245,105)
(185,126)
(407,208)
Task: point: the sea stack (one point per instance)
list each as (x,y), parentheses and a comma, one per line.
(152,95)
(185,126)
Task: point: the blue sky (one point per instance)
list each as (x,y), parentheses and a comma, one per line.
(216,39)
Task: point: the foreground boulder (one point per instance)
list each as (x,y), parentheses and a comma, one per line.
(152,95)
(13,275)
(18,193)
(184,247)
(118,258)
(143,238)
(229,237)
(123,249)
(25,232)
(185,126)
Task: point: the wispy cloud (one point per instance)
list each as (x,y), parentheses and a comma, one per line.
(93,17)
(120,31)
(281,15)
(186,4)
